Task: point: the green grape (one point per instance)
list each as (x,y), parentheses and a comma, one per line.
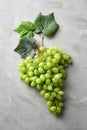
(49,71)
(38,81)
(58,109)
(41,70)
(27,80)
(54,52)
(42,93)
(42,48)
(60,93)
(45,87)
(59,97)
(59,82)
(21,76)
(42,77)
(54,80)
(65,65)
(51,98)
(61,104)
(29,65)
(69,61)
(39,87)
(48,81)
(31,68)
(36,72)
(50,88)
(66,57)
(23,70)
(49,103)
(22,64)
(47,76)
(24,76)
(41,64)
(28,59)
(53,94)
(55,70)
(57,56)
(49,59)
(49,64)
(45,55)
(53,108)
(34,78)
(46,67)
(56,90)
(54,61)
(49,52)
(30,74)
(33,84)
(57,76)
(46,95)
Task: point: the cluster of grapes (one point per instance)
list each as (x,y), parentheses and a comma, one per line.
(45,71)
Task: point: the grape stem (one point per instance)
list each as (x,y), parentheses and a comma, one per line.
(42,37)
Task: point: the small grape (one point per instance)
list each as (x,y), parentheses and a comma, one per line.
(48,81)
(28,59)
(39,87)
(53,94)
(31,68)
(53,108)
(29,65)
(38,81)
(47,76)
(58,109)
(45,87)
(23,70)
(56,90)
(42,93)
(49,103)
(42,77)
(49,64)
(27,80)
(59,97)
(55,69)
(61,104)
(41,70)
(33,84)
(50,88)
(30,74)
(41,64)
(46,95)
(36,72)
(60,93)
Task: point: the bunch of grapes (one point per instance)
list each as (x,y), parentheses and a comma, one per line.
(46,71)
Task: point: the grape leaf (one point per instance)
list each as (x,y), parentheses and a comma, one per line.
(25,29)
(26,47)
(46,24)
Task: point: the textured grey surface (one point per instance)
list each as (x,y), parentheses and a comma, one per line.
(22,108)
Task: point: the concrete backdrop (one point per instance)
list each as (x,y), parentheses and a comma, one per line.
(22,108)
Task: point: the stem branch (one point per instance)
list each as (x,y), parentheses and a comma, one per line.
(42,36)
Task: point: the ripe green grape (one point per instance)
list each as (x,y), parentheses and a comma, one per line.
(27,80)
(53,108)
(45,72)
(46,95)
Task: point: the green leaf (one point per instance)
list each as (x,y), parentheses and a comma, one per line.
(39,22)
(26,28)
(46,24)
(26,47)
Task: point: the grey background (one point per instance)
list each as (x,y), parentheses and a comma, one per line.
(22,108)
